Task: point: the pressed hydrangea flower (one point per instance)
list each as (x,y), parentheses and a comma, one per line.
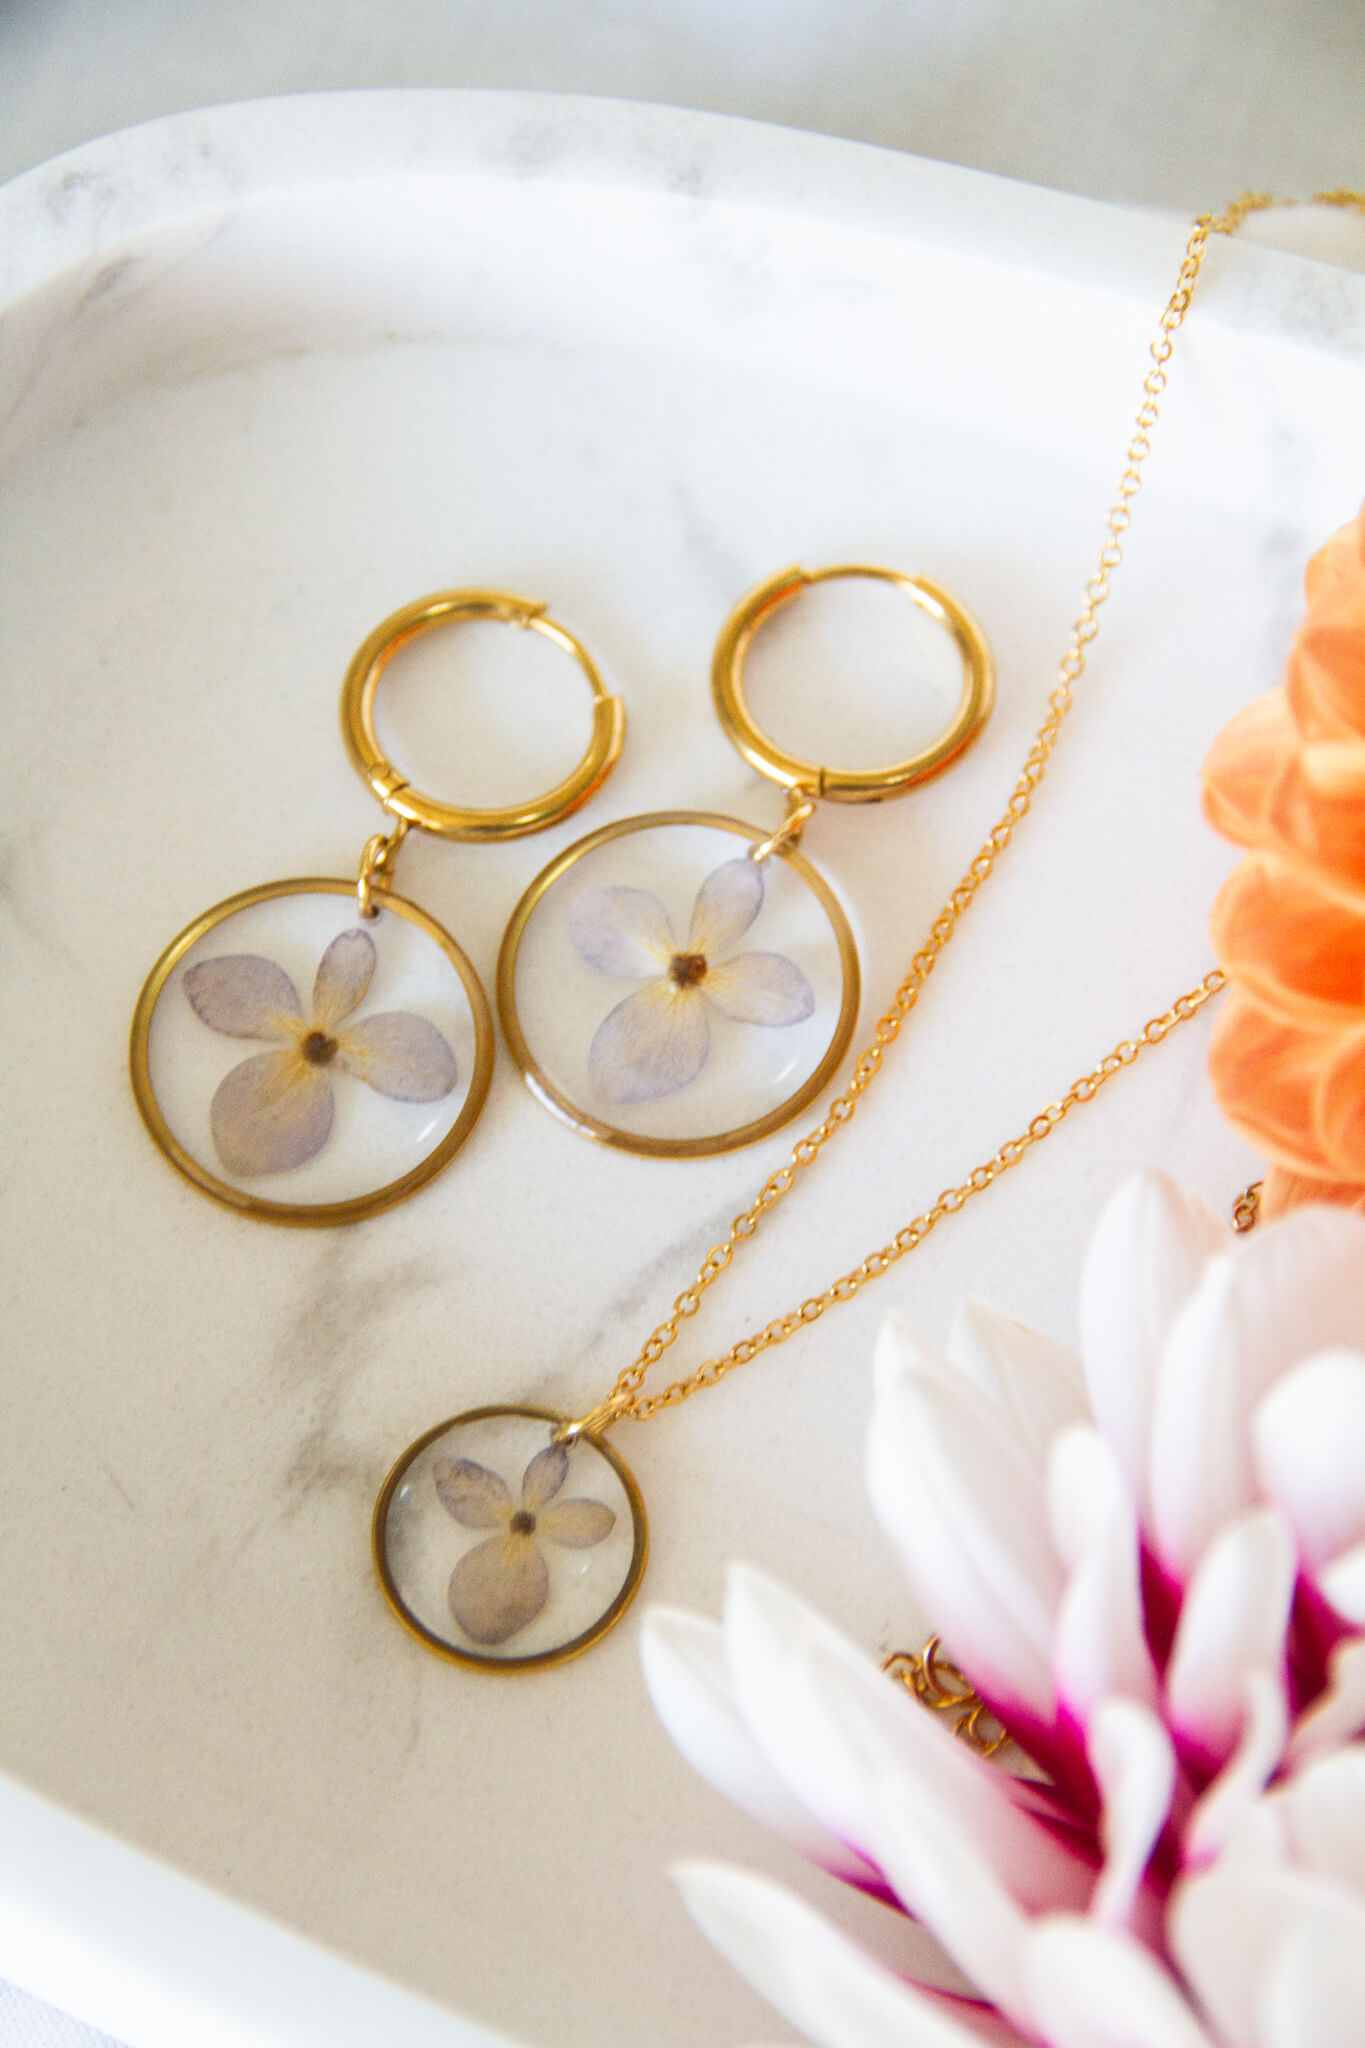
(1151,1563)
(1287,779)
(500,1586)
(656,1041)
(275,1110)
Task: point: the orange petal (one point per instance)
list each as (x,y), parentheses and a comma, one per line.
(1243,765)
(1339,563)
(1340,1110)
(1298,950)
(1282,1191)
(1265,1074)
(1327,667)
(1325,677)
(1316,811)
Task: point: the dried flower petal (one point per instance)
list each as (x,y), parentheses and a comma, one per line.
(651,1044)
(499,1587)
(244,996)
(727,903)
(472,1494)
(543,1477)
(270,1114)
(577,1524)
(399,1055)
(621,932)
(760,988)
(344,973)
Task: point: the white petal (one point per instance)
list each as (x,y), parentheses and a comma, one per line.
(1339,1713)
(1317,1996)
(1221,1813)
(1235,1931)
(1093,1988)
(1100,1645)
(1288,1290)
(1343,1581)
(1144,1261)
(688,1679)
(1231,1625)
(1085,1493)
(827,1988)
(836,1729)
(965,1509)
(1036,1384)
(1309,1438)
(1324,1817)
(1134,1765)
(956,1893)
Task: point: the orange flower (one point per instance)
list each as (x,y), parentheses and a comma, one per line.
(1286,778)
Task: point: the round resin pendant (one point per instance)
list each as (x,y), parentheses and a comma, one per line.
(663,991)
(500,1548)
(304,1064)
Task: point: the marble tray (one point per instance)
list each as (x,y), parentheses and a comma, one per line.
(266,373)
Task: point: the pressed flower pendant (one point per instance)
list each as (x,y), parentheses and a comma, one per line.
(501,1547)
(666,992)
(681,984)
(313,1051)
(305,1065)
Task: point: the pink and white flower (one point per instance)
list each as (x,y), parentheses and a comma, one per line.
(1150,1561)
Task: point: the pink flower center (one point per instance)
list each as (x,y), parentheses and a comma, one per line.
(522,1522)
(318,1049)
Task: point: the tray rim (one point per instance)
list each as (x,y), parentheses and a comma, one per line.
(87,1921)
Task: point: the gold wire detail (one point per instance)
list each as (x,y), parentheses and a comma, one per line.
(939,1685)
(868,1064)
(800,810)
(1247,1208)
(376,865)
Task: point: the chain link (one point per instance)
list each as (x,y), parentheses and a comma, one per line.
(625,1397)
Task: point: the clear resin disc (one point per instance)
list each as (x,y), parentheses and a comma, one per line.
(499,1548)
(304,1064)
(663,992)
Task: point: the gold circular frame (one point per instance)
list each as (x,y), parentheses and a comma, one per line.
(303,1214)
(849,785)
(456,821)
(590,1126)
(476,1659)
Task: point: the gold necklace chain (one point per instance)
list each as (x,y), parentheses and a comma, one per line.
(626,1398)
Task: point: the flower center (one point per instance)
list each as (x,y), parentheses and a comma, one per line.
(685,970)
(522,1522)
(318,1049)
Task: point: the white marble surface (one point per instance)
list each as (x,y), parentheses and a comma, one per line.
(270,373)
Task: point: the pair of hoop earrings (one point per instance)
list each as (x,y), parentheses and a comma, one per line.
(677,984)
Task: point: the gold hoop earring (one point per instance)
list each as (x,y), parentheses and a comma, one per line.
(363,1093)
(667,901)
